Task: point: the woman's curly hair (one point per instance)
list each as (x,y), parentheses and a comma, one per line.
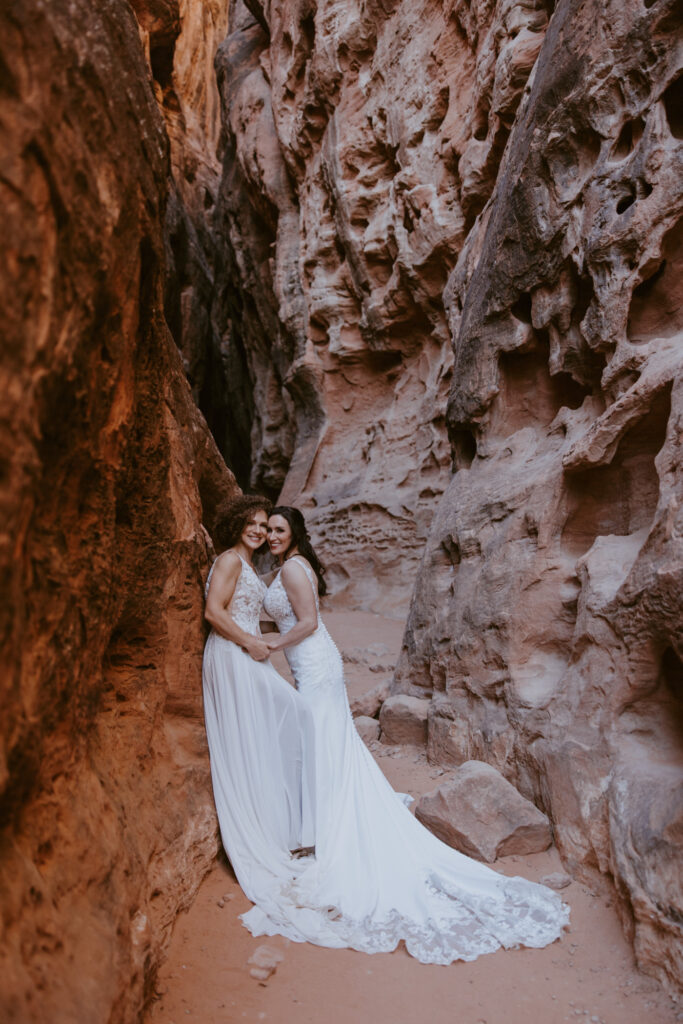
(233,515)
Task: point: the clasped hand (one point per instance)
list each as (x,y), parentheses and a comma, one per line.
(260,648)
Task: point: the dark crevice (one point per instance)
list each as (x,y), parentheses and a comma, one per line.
(673,105)
(626,201)
(629,137)
(161,59)
(656,308)
(463,447)
(522,308)
(529,395)
(620,498)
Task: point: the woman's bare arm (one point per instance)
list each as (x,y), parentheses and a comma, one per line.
(302,599)
(221,589)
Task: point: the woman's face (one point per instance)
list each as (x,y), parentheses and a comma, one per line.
(254,533)
(279,535)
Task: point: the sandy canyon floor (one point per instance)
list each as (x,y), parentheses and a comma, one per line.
(589,975)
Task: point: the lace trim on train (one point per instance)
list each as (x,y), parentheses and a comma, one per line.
(463,926)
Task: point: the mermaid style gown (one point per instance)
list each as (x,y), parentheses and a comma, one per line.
(261,745)
(378,876)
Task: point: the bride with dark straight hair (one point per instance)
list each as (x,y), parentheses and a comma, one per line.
(377,876)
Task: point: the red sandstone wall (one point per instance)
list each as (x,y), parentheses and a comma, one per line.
(107,470)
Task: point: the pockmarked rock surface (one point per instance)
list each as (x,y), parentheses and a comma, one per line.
(339,221)
(484,198)
(547,620)
(478,812)
(108,470)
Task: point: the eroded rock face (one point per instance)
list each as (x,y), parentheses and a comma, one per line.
(107,472)
(547,618)
(528,157)
(341,218)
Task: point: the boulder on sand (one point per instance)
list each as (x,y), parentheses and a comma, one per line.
(403,719)
(481,814)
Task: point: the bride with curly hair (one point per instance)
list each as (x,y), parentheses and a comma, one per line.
(259,730)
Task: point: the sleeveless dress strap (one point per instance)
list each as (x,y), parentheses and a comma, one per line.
(246,563)
(309,573)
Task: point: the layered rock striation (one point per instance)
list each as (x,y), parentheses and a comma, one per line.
(108,471)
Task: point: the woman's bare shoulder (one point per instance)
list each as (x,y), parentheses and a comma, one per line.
(228,563)
(294,567)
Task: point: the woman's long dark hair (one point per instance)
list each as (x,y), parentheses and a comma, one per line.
(302,541)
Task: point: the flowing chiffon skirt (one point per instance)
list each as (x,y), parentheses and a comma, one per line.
(262,750)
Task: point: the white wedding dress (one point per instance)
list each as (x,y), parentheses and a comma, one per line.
(378,876)
(262,749)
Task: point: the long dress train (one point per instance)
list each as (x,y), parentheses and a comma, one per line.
(378,875)
(261,746)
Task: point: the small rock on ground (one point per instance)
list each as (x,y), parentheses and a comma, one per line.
(557,880)
(403,719)
(369,703)
(368,728)
(264,960)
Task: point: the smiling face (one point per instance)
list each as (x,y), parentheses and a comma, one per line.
(254,533)
(279,536)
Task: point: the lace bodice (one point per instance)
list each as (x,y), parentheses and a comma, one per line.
(245,606)
(276,602)
(315,661)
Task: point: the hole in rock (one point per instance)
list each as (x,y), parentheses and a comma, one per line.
(522,308)
(629,137)
(161,59)
(382,360)
(626,201)
(451,548)
(308,33)
(657,302)
(481,131)
(317,330)
(463,447)
(379,270)
(673,105)
(528,394)
(621,498)
(148,271)
(672,677)
(656,720)
(571,160)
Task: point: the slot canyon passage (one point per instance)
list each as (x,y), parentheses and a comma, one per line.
(415,266)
